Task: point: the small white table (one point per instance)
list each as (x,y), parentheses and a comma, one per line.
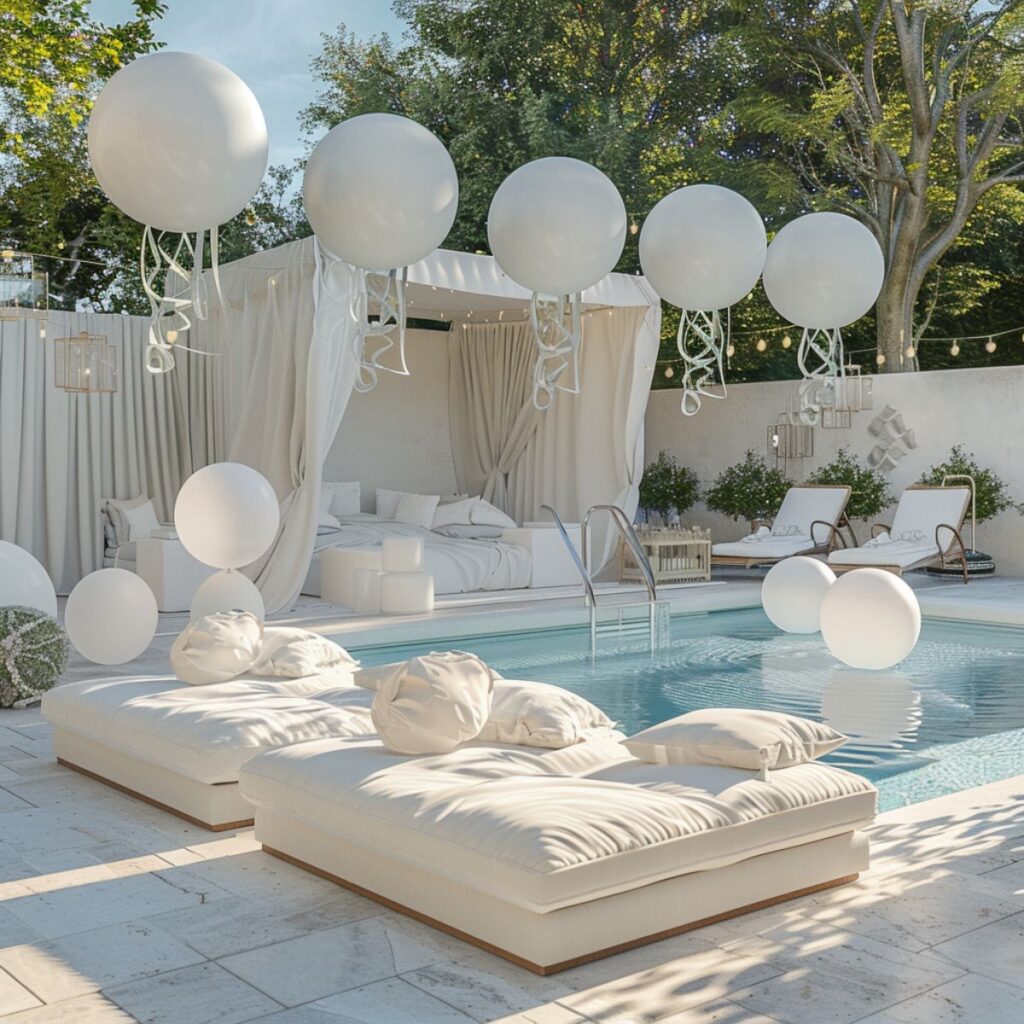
(551,563)
(172,573)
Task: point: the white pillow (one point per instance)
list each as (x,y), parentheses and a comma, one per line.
(541,715)
(417,509)
(133,518)
(217,648)
(387,502)
(294,653)
(735,738)
(370,678)
(324,515)
(454,513)
(486,514)
(451,499)
(433,703)
(345,499)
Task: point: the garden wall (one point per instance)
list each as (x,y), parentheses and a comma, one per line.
(982,409)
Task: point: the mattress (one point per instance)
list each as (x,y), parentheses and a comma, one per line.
(546,830)
(770,547)
(207,733)
(897,552)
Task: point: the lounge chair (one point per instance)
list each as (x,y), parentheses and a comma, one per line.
(809,522)
(925,528)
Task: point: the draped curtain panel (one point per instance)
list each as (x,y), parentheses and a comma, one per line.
(61,453)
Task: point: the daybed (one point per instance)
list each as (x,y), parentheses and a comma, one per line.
(925,528)
(809,521)
(551,858)
(180,747)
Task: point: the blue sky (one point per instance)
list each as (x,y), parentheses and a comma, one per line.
(269,43)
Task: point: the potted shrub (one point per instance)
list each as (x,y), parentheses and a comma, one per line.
(668,488)
(869,489)
(749,490)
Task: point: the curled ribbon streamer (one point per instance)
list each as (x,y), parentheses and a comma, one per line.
(387,292)
(701,342)
(820,360)
(558,346)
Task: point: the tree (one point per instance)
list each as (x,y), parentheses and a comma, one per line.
(869,489)
(749,490)
(991,495)
(906,115)
(667,487)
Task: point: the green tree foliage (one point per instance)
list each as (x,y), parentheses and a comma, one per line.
(749,490)
(667,487)
(992,496)
(869,489)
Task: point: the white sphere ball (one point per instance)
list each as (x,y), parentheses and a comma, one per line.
(823,270)
(380,191)
(793,591)
(703,247)
(227,591)
(178,141)
(557,225)
(111,616)
(870,619)
(226,515)
(23,580)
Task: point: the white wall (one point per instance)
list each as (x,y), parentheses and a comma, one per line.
(982,409)
(396,436)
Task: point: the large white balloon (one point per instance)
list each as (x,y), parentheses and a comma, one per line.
(793,591)
(823,270)
(226,515)
(23,581)
(870,619)
(703,247)
(178,141)
(557,225)
(111,616)
(380,191)
(227,591)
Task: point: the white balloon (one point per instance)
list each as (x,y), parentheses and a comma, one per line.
(557,225)
(226,515)
(23,580)
(227,591)
(870,619)
(793,591)
(380,191)
(178,141)
(703,247)
(823,270)
(111,616)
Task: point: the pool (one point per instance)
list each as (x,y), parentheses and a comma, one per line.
(950,717)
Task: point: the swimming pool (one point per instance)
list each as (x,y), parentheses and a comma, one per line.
(950,717)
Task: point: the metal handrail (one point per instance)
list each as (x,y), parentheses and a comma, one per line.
(588,586)
(625,528)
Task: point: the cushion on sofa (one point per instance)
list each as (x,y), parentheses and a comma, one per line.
(290,652)
(217,647)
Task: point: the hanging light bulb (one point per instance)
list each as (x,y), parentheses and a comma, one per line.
(990,346)
(910,352)
(633,227)
(171,336)
(880,359)
(954,349)
(787,341)
(730,350)
(669,372)
(761,345)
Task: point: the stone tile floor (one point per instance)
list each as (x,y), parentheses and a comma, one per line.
(112,911)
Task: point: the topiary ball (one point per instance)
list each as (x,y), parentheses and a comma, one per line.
(33,653)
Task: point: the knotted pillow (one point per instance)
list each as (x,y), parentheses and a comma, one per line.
(293,653)
(217,647)
(431,704)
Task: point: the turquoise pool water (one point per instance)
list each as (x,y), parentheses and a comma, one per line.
(950,717)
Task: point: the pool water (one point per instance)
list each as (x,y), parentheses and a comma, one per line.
(949,717)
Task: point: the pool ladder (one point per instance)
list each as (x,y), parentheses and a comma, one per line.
(657,611)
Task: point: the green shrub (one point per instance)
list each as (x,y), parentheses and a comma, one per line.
(869,489)
(749,490)
(33,653)
(990,492)
(667,486)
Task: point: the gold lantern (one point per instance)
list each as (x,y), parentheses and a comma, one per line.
(790,440)
(86,363)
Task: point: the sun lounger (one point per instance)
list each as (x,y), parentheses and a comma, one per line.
(809,522)
(925,528)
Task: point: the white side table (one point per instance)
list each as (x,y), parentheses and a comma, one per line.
(172,573)
(551,563)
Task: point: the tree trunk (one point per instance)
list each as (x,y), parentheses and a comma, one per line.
(895,324)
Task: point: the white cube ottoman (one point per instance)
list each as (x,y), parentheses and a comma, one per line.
(337,566)
(366,591)
(406,593)
(402,554)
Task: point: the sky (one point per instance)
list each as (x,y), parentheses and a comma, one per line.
(268,43)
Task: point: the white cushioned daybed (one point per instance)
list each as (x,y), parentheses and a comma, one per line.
(551,858)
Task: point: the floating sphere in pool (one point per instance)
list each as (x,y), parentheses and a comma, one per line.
(793,591)
(870,619)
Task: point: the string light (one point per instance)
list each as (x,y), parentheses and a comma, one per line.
(880,359)
(669,372)
(633,227)
(990,346)
(787,342)
(761,345)
(730,350)
(911,352)
(172,336)
(954,349)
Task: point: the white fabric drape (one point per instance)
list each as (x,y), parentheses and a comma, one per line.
(62,453)
(492,415)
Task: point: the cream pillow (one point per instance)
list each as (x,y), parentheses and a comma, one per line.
(324,516)
(735,738)
(132,518)
(387,502)
(541,715)
(294,653)
(433,703)
(417,509)
(486,514)
(346,499)
(370,678)
(454,513)
(217,647)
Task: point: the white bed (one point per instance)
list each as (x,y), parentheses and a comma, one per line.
(458,566)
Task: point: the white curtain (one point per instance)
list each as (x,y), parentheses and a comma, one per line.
(492,415)
(62,453)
